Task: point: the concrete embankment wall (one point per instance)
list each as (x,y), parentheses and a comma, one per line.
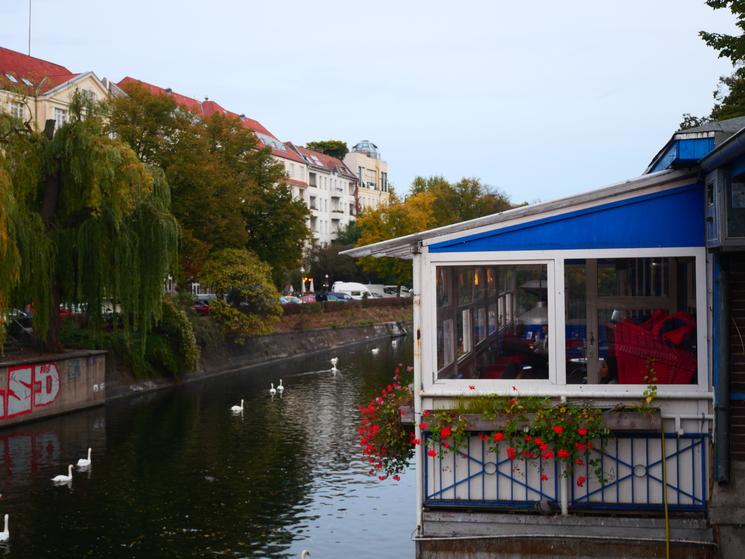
(254,352)
(50,385)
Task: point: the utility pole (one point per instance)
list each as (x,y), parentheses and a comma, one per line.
(29,27)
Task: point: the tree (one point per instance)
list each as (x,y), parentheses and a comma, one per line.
(247,302)
(334,148)
(85,222)
(227,191)
(433,202)
(729,95)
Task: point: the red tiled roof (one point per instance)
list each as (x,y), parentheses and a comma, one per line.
(209,107)
(35,70)
(327,162)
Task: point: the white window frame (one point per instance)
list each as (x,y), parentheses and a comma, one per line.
(555,385)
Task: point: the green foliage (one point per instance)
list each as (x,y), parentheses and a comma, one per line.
(89,224)
(227,193)
(729,95)
(334,148)
(247,302)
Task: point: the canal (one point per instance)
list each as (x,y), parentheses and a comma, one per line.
(176,475)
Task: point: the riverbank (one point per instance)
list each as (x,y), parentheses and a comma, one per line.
(255,352)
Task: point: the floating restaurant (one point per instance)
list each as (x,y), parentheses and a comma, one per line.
(630,299)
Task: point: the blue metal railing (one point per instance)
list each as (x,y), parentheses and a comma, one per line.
(477,476)
(632,464)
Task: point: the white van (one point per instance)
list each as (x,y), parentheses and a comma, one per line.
(353,289)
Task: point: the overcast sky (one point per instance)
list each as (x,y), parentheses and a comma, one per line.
(541,99)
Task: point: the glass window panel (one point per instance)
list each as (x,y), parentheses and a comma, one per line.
(495,323)
(631,321)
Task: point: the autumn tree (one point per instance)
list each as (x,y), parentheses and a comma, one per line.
(84,221)
(433,202)
(227,190)
(334,148)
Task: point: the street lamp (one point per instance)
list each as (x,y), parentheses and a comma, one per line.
(326,282)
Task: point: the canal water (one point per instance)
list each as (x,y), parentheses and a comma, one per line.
(175,474)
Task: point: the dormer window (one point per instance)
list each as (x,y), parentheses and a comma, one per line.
(11,77)
(27,81)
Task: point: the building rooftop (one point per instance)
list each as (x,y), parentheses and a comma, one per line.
(30,75)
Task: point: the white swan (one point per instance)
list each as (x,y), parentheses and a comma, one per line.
(272,390)
(85,462)
(280,388)
(334,361)
(375,350)
(304,554)
(5,534)
(237,409)
(64,478)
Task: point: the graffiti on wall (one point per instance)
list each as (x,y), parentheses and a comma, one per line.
(28,387)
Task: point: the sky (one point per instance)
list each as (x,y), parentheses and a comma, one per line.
(539,99)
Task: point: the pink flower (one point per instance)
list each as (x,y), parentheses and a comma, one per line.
(409,368)
(472,387)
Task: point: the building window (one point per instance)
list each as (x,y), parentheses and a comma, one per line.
(17,110)
(492,321)
(60,117)
(631,321)
(384,182)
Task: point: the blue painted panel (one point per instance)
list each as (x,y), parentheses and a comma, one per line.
(667,159)
(673,218)
(694,149)
(737,167)
(684,151)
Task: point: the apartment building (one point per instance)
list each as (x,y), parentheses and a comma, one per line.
(331,194)
(372,174)
(36,90)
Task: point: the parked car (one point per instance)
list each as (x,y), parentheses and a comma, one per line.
(396,291)
(201,307)
(337,296)
(353,289)
(290,300)
(308,297)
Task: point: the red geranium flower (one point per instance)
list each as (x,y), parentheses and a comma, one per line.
(548,454)
(579,462)
(528,438)
(423,426)
(582,431)
(580,446)
(558,429)
(544,477)
(381,478)
(416,441)
(498,436)
(511,453)
(484,437)
(426,413)
(563,453)
(446,431)
(432,452)
(397,477)
(446,445)
(471,387)
(538,441)
(581,481)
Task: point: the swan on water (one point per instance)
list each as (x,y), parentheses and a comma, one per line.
(62,478)
(280,388)
(334,361)
(237,409)
(304,554)
(375,350)
(85,462)
(5,534)
(272,390)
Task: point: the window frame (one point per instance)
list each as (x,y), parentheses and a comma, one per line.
(556,382)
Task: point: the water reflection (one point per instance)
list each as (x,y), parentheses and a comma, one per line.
(176,474)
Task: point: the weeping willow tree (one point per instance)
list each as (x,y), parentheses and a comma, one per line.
(85,222)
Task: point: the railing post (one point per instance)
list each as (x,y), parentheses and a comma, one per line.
(564,489)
